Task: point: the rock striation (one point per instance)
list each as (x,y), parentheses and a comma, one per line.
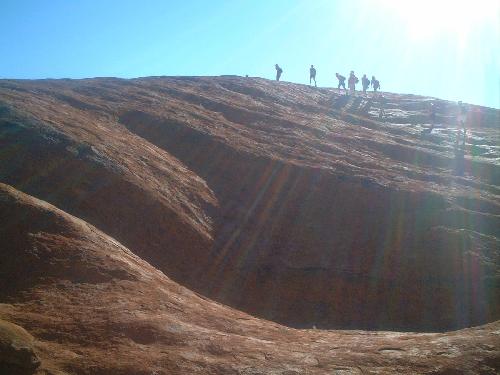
(293,204)
(94,307)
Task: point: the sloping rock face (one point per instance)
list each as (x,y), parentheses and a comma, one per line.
(94,307)
(87,165)
(17,355)
(291,203)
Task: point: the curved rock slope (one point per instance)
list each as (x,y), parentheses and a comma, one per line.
(291,203)
(91,306)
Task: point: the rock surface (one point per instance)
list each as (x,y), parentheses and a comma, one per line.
(297,204)
(96,308)
(17,355)
(293,204)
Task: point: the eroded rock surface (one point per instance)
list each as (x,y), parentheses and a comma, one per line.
(17,355)
(291,203)
(94,307)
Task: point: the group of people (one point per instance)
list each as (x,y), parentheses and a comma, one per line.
(461,114)
(351,82)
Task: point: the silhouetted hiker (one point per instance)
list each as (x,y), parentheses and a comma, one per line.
(461,115)
(432,118)
(381,112)
(459,161)
(432,114)
(312,75)
(461,134)
(351,82)
(457,139)
(365,82)
(278,72)
(341,79)
(375,84)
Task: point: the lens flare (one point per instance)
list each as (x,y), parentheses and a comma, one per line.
(427,18)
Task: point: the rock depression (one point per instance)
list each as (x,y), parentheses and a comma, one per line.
(290,203)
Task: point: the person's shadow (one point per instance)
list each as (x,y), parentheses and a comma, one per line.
(341,102)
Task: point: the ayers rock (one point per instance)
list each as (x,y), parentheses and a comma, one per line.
(226,225)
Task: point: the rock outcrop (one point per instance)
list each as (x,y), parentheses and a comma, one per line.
(17,355)
(96,308)
(294,204)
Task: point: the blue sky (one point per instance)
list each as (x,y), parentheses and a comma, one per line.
(443,48)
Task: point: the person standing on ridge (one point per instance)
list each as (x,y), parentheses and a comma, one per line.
(312,75)
(432,114)
(278,72)
(375,83)
(461,115)
(460,133)
(365,82)
(351,82)
(341,79)
(381,112)
(432,119)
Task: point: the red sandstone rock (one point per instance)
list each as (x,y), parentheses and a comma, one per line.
(96,308)
(16,349)
(291,203)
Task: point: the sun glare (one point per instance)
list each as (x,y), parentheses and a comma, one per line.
(429,18)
